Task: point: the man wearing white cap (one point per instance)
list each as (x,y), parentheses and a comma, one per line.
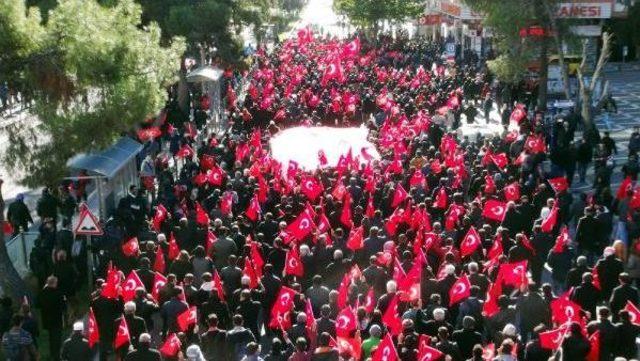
(76,347)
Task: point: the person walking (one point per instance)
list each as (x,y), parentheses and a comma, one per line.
(76,347)
(17,344)
(52,304)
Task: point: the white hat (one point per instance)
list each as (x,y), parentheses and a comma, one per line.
(78,326)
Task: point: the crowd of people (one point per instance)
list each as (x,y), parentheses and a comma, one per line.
(445,248)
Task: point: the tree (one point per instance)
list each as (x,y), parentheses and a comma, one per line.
(507,18)
(587,87)
(93,72)
(368,14)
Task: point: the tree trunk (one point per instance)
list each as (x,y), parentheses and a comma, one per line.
(544,75)
(10,281)
(183,88)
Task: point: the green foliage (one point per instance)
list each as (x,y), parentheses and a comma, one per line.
(368,13)
(93,73)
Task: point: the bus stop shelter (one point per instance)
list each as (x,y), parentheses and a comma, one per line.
(113,170)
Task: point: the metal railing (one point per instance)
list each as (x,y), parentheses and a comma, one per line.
(19,249)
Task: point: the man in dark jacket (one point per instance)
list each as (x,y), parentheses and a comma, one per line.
(76,347)
(136,325)
(609,269)
(18,215)
(626,334)
(214,340)
(238,337)
(47,206)
(532,310)
(52,304)
(144,352)
(467,337)
(621,294)
(587,234)
(575,347)
(607,332)
(587,295)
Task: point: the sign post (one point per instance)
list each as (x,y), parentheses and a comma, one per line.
(88,226)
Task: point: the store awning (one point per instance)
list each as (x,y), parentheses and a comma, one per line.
(203,74)
(109,161)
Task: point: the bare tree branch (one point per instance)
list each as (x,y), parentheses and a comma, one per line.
(602,60)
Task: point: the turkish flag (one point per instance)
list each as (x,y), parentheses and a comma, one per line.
(391,318)
(558,184)
(159,216)
(470,242)
(386,350)
(417,179)
(131,248)
(564,310)
(253,211)
(490,306)
(323,224)
(311,319)
(226,203)
(111,287)
(242,151)
(174,249)
(211,240)
(460,290)
(148,134)
(131,283)
(250,271)
(551,340)
(349,345)
(549,223)
(256,256)
(346,216)
(185,152)
(625,186)
(370,301)
(343,290)
(517,114)
(562,240)
(635,199)
(301,227)
(322,158)
(93,334)
(535,144)
(202,218)
(351,49)
(512,192)
(293,264)
(514,274)
(441,199)
(634,313)
(494,210)
(171,346)
(159,281)
(339,191)
(356,239)
(159,263)
(217,283)
(122,334)
(594,352)
(215,176)
(311,188)
(500,160)
(428,353)
(207,162)
(282,308)
(399,195)
(370,210)
(346,322)
(187,318)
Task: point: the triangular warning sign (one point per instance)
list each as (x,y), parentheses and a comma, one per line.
(87,223)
